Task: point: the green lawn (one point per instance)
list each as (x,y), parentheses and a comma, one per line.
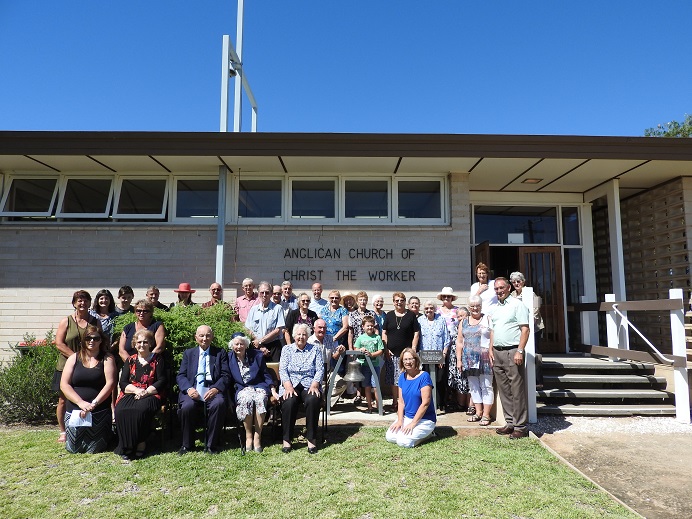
(357,474)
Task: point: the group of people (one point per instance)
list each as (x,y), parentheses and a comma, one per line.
(306,335)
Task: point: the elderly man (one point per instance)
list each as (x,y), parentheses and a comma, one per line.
(288,299)
(246,301)
(509,334)
(331,352)
(317,303)
(266,321)
(203,379)
(216,291)
(276,294)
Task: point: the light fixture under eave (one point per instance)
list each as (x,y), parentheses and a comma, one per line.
(532,181)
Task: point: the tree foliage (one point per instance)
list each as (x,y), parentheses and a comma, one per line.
(181,323)
(672,129)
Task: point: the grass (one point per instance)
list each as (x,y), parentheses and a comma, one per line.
(357,474)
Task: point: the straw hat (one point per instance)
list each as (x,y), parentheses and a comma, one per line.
(185,287)
(347,295)
(447,291)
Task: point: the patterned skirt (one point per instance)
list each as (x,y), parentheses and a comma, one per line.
(92,439)
(457,380)
(249,400)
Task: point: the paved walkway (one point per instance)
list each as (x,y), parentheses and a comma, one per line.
(644,462)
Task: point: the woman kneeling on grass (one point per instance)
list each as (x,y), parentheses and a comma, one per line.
(87,383)
(416,417)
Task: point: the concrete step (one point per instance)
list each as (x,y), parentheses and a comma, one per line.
(606,410)
(604,394)
(594,365)
(581,379)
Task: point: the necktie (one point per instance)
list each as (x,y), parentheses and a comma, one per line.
(202,375)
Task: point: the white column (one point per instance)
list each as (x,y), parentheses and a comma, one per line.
(225,74)
(530,356)
(680,375)
(238,98)
(221,225)
(589,320)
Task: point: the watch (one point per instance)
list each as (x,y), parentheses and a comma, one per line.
(521,352)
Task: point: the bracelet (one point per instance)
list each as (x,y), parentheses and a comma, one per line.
(95,402)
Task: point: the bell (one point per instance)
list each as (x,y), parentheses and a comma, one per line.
(353,373)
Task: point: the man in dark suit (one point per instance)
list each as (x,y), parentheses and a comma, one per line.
(203,379)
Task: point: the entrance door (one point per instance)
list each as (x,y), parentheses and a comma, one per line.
(542,267)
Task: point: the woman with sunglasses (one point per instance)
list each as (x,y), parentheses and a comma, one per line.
(336,317)
(301,315)
(142,383)
(144,310)
(87,383)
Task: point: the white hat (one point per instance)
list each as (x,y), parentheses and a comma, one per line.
(447,291)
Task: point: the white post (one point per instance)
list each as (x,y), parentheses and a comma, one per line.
(611,325)
(225,74)
(680,376)
(238,99)
(221,225)
(530,356)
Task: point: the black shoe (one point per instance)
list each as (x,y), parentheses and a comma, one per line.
(312,450)
(183,451)
(212,450)
(286,450)
(125,457)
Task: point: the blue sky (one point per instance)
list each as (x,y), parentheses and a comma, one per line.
(384,66)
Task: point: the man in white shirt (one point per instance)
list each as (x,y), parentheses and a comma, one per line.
(331,351)
(317,303)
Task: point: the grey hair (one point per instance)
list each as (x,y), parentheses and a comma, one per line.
(287,284)
(376,296)
(242,339)
(298,326)
(265,284)
(475,299)
(248,280)
(517,275)
(430,302)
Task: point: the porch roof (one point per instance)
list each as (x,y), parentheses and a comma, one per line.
(558,164)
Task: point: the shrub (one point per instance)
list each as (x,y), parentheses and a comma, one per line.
(25,394)
(181,322)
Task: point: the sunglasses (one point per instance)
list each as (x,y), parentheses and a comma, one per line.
(304,300)
(93,338)
(142,311)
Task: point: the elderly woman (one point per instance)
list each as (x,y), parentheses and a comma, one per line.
(144,310)
(142,385)
(415,417)
(485,288)
(87,383)
(475,353)
(378,304)
(68,340)
(302,314)
(355,318)
(336,317)
(434,335)
(518,281)
(253,383)
(301,370)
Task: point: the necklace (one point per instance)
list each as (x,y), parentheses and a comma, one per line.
(398,321)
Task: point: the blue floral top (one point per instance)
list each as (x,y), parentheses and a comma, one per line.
(434,334)
(334,320)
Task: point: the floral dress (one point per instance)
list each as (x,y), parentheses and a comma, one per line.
(476,355)
(456,379)
(334,321)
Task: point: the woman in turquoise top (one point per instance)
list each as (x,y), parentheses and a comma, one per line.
(415,416)
(336,317)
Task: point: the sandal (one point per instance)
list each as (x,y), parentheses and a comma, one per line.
(475,418)
(62,438)
(485,421)
(471,410)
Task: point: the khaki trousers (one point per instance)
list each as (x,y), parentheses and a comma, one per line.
(511,386)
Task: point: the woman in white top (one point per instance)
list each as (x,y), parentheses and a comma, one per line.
(484,288)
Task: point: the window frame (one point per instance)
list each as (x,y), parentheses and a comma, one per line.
(365,221)
(253,220)
(150,216)
(63,189)
(316,220)
(444,206)
(44,214)
(173,204)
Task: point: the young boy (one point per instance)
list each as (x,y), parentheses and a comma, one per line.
(372,346)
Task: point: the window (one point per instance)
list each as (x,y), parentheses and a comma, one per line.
(142,199)
(84,197)
(259,199)
(367,199)
(515,224)
(313,199)
(570,226)
(197,198)
(419,199)
(30,197)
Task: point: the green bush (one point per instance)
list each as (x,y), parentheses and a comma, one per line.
(181,322)
(25,394)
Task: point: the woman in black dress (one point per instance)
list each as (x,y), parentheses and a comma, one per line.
(87,383)
(142,384)
(301,315)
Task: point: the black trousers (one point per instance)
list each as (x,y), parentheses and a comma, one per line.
(289,413)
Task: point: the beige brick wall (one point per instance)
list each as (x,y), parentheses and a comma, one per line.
(42,265)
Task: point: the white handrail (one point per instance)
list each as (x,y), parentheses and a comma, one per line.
(626,322)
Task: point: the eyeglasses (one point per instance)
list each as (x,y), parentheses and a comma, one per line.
(334,298)
(474,307)
(265,292)
(93,338)
(446,297)
(304,300)
(276,294)
(142,311)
